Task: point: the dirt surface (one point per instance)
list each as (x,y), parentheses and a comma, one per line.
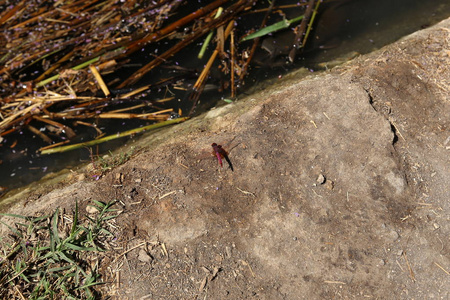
(340,190)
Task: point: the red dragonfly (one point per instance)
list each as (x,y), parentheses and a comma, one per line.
(220,153)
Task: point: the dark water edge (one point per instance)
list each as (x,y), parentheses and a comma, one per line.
(363,26)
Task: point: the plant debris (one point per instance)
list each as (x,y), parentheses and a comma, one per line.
(66,64)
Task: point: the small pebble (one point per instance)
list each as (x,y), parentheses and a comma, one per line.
(393,235)
(329,184)
(381,262)
(321,179)
(228,251)
(91,209)
(144,257)
(351,265)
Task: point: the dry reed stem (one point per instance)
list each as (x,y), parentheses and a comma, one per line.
(69,132)
(100,81)
(411,273)
(40,134)
(440,267)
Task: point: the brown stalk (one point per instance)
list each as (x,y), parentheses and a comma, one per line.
(12,12)
(40,14)
(19,115)
(233,86)
(299,39)
(255,43)
(66,129)
(39,133)
(99,132)
(54,145)
(174,26)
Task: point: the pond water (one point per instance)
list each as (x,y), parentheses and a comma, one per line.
(346,26)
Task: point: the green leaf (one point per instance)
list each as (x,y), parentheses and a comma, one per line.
(75,219)
(53,270)
(54,234)
(209,37)
(272,28)
(15,216)
(18,233)
(78,248)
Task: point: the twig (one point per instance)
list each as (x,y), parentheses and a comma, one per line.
(245,192)
(233,86)
(68,131)
(300,37)
(167,194)
(20,294)
(163,246)
(440,267)
(40,134)
(411,273)
(129,250)
(249,267)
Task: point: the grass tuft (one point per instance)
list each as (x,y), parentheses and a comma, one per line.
(55,256)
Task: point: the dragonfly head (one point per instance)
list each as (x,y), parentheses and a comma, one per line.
(213,144)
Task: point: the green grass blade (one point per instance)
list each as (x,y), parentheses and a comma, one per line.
(79,248)
(18,233)
(205,45)
(272,28)
(209,37)
(15,216)
(54,270)
(75,220)
(54,234)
